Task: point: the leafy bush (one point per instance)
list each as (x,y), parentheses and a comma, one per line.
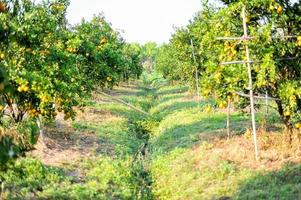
(105,178)
(16,139)
(26,177)
(153,79)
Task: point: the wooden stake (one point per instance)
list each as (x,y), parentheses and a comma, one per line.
(236,38)
(125,103)
(266,109)
(244,62)
(252,38)
(260,96)
(245,38)
(228,118)
(250,83)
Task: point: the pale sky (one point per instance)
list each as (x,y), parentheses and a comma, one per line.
(141,20)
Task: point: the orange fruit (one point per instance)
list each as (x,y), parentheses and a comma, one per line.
(280,10)
(2,7)
(287,113)
(298,125)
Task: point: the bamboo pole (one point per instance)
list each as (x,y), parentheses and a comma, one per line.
(245,62)
(236,38)
(239,62)
(125,103)
(228,118)
(244,37)
(250,85)
(266,109)
(256,97)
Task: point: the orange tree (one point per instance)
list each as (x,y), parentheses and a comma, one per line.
(50,67)
(181,41)
(278,69)
(167,62)
(132,61)
(276,73)
(42,76)
(148,53)
(103,55)
(176,60)
(100,51)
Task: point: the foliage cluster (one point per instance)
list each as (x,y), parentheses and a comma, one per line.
(277,67)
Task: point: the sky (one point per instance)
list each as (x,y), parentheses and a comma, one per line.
(139,20)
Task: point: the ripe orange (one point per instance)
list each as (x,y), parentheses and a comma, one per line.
(208,109)
(280,10)
(287,113)
(103,40)
(25,88)
(2,7)
(298,125)
(299,40)
(222,105)
(20,89)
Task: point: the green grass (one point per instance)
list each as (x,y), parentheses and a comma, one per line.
(184,124)
(179,163)
(176,89)
(179,175)
(183,129)
(105,178)
(119,137)
(113,173)
(282,184)
(182,165)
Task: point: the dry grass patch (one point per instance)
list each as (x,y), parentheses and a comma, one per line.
(275,150)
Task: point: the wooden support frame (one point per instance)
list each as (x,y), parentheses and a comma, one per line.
(250,85)
(248,63)
(245,62)
(256,97)
(252,38)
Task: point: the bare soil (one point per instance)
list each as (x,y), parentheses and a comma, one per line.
(64,145)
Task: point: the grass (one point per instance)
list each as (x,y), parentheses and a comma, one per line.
(191,177)
(110,171)
(183,125)
(179,152)
(281,184)
(104,179)
(187,163)
(119,137)
(183,129)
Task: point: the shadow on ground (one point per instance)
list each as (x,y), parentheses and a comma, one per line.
(284,184)
(179,134)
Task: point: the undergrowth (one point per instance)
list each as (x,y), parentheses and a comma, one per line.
(179,151)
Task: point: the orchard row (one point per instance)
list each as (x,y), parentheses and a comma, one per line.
(48,66)
(276,69)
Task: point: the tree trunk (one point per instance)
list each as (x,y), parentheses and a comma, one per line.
(286,121)
(40,125)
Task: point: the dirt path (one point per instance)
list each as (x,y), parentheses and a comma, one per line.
(66,145)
